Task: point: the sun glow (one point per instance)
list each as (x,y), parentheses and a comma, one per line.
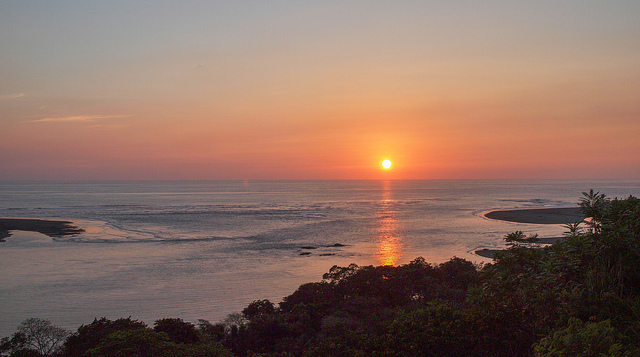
(386,164)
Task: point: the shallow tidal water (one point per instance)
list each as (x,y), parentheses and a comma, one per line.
(202,250)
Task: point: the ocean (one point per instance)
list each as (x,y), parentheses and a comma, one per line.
(204,249)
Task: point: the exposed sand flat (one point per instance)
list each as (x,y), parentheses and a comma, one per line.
(489,253)
(50,228)
(561,215)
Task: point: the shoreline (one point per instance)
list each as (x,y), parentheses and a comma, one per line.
(553,215)
(51,228)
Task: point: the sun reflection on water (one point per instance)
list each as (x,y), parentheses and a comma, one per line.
(389,242)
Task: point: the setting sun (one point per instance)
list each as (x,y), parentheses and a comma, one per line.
(386,164)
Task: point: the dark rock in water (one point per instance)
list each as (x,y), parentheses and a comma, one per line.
(309,247)
(326,254)
(305,253)
(337,245)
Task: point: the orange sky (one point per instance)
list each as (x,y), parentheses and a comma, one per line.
(283,90)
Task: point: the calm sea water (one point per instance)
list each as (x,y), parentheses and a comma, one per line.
(202,250)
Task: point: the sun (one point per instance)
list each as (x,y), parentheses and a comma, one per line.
(386,164)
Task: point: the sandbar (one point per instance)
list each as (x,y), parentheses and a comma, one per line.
(490,253)
(557,215)
(51,228)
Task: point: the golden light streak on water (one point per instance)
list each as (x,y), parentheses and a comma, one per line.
(389,242)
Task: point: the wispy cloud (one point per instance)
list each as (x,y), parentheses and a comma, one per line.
(78,119)
(12,96)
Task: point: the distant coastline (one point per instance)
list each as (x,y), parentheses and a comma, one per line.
(51,228)
(555,215)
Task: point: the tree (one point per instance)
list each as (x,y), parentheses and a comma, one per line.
(35,337)
(89,336)
(258,308)
(145,342)
(580,339)
(177,330)
(233,322)
(209,332)
(518,239)
(142,342)
(15,346)
(127,337)
(593,206)
(436,329)
(573,229)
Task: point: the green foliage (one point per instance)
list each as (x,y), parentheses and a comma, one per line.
(313,295)
(89,336)
(573,229)
(145,342)
(258,308)
(437,329)
(592,339)
(127,337)
(177,330)
(142,342)
(210,332)
(594,206)
(518,239)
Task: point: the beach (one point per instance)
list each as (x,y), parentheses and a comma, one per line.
(555,215)
(51,228)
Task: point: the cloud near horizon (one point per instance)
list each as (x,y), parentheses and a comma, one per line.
(12,96)
(78,119)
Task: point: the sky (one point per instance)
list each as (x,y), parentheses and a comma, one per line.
(246,90)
